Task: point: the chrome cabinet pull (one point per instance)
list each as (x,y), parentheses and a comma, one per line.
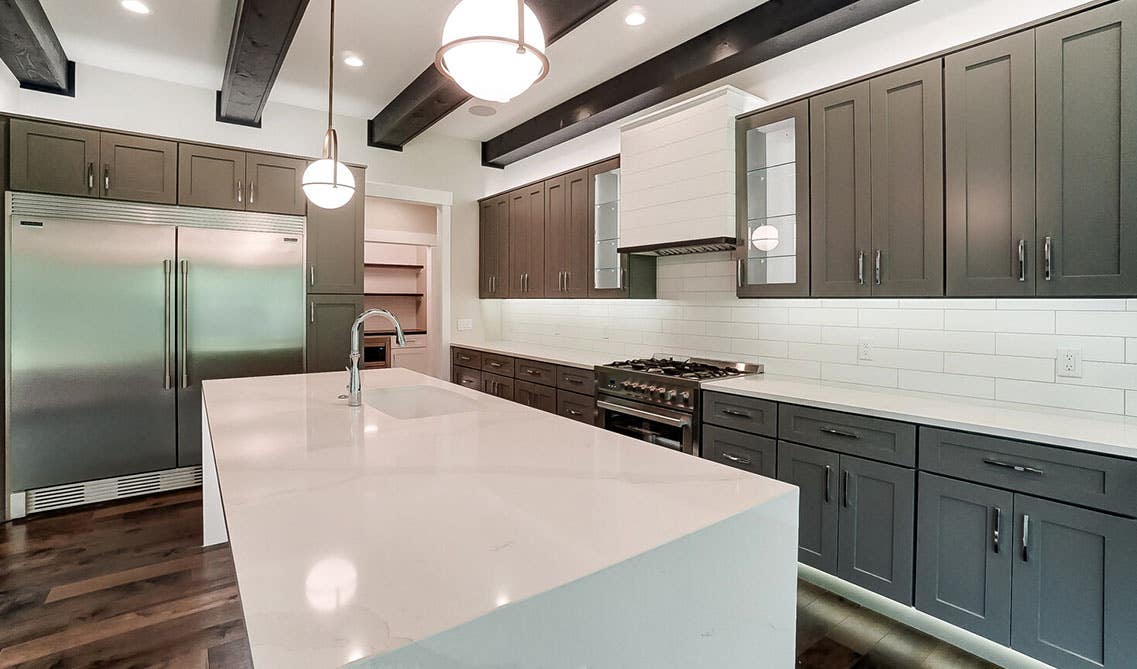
(464,358)
(573,380)
(623,278)
(1026,538)
(737,460)
(738,271)
(1046,258)
(185,322)
(312,274)
(532,372)
(240,191)
(312,313)
(106,179)
(252,192)
(495,364)
(90,176)
(845,493)
(574,412)
(861,268)
(568,279)
(839,433)
(828,474)
(1011,465)
(167,272)
(735,412)
(876,267)
(997,524)
(1022,260)
(646,415)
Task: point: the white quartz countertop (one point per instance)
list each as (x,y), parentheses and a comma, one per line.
(1082,430)
(557,356)
(355,532)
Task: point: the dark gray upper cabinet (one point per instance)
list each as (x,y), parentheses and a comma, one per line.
(566,235)
(274,184)
(773,202)
(209,176)
(815,472)
(906,131)
(989,144)
(1087,152)
(329,324)
(1074,586)
(877,527)
(141,169)
(840,193)
(527,241)
(963,564)
(49,158)
(493,248)
(335,244)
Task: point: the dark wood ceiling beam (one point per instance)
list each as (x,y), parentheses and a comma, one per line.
(433,95)
(262,32)
(770,29)
(31,49)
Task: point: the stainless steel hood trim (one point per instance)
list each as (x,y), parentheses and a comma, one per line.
(684,247)
(36,205)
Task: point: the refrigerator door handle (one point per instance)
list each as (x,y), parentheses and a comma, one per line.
(184,322)
(167,272)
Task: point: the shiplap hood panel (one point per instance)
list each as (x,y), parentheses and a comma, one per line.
(677,175)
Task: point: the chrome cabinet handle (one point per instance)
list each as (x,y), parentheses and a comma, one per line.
(623,278)
(876,267)
(1010,465)
(464,358)
(185,322)
(573,380)
(1047,265)
(167,272)
(861,268)
(494,278)
(240,191)
(828,474)
(839,433)
(568,279)
(495,364)
(735,412)
(90,176)
(312,313)
(736,459)
(532,372)
(252,192)
(574,412)
(738,271)
(845,493)
(646,415)
(1026,538)
(997,524)
(312,274)
(1022,260)
(106,179)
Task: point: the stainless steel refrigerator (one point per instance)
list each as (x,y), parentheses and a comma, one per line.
(115,314)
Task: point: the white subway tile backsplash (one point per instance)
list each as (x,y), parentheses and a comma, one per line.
(804,333)
(869,376)
(1105,375)
(1106,324)
(1085,398)
(939,340)
(999,320)
(1062,304)
(947,303)
(1131,350)
(915,319)
(1106,349)
(851,336)
(948,384)
(903,358)
(822,316)
(808,369)
(1131,402)
(823,352)
(1001,366)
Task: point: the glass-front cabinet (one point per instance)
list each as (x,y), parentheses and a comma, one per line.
(609,268)
(773,202)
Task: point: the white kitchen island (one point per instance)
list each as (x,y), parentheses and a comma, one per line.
(438,527)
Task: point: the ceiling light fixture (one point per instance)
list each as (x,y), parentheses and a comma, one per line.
(135,6)
(351,60)
(493,49)
(482,110)
(327,182)
(635,17)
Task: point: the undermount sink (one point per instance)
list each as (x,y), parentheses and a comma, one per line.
(406,402)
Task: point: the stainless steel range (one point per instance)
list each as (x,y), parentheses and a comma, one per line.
(657,399)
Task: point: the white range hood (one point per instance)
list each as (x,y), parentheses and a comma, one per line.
(677,175)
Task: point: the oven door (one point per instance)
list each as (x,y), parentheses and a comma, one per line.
(655,425)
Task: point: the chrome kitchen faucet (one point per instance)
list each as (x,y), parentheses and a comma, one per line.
(353,385)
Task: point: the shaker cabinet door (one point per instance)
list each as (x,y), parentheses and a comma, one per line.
(140,169)
(907,182)
(49,158)
(1087,152)
(556,236)
(877,527)
(274,184)
(209,176)
(329,330)
(527,241)
(335,245)
(815,473)
(989,152)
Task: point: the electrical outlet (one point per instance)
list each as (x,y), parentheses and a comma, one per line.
(864,351)
(465,324)
(1069,363)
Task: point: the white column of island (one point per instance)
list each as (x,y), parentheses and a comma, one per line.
(440,527)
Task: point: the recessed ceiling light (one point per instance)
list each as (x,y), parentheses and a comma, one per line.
(482,110)
(136,6)
(635,17)
(353,61)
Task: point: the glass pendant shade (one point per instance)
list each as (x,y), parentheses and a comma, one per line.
(764,238)
(318,186)
(483,52)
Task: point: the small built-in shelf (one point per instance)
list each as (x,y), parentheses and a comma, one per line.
(393,294)
(393,265)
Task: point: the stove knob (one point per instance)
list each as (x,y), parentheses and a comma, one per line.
(684,397)
(626,384)
(652,390)
(670,395)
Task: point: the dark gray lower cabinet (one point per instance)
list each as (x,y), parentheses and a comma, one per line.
(877,527)
(1074,591)
(535,395)
(329,324)
(814,472)
(501,386)
(741,450)
(965,548)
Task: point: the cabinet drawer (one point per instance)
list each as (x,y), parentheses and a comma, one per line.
(464,357)
(576,380)
(866,437)
(748,414)
(502,386)
(536,372)
(576,406)
(1088,479)
(497,364)
(471,378)
(744,451)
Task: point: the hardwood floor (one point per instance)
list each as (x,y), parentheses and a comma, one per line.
(128,585)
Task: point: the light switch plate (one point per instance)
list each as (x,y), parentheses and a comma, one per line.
(465,324)
(1069,363)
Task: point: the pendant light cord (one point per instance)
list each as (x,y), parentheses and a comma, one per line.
(331,141)
(520,26)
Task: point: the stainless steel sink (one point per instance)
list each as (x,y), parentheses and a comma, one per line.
(405,402)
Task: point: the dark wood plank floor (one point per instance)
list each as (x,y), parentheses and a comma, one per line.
(128,585)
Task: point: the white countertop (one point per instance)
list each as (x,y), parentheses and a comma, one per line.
(1082,430)
(557,356)
(355,533)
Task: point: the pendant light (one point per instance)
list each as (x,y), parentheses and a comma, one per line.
(328,182)
(493,49)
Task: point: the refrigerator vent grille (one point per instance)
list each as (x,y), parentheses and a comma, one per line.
(36,205)
(104,490)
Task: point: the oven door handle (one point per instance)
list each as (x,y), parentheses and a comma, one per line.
(646,415)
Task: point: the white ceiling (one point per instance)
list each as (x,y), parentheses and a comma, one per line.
(186,41)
